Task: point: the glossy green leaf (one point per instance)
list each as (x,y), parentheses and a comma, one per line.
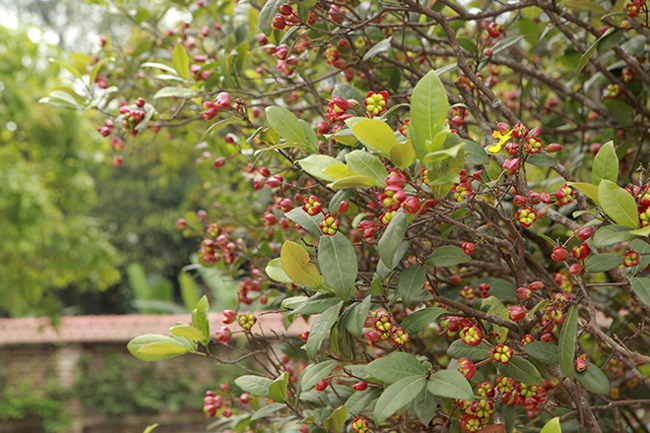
(357,316)
(417,321)
(314,373)
(392,238)
(447,255)
(375,135)
(475,154)
(397,396)
(368,165)
(396,366)
(403,154)
(609,39)
(450,384)
(361,400)
(347,91)
(641,287)
(541,160)
(276,273)
(584,59)
(178,92)
(337,260)
(380,47)
(439,155)
(411,282)
(266,15)
(268,410)
(189,332)
(545,352)
(643,231)
(69,67)
(605,165)
(317,304)
(311,140)
(320,328)
(610,235)
(306,221)
(585,5)
(295,262)
(429,107)
(278,389)
(315,164)
(218,125)
(255,385)
(640,247)
(458,350)
(336,420)
(587,189)
(567,341)
(522,370)
(159,66)
(286,124)
(618,204)
(353,182)
(496,308)
(425,406)
(553,426)
(181,61)
(167,350)
(150,428)
(592,379)
(603,262)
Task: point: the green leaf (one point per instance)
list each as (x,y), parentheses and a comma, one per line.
(567,341)
(360,400)
(416,322)
(167,350)
(610,235)
(475,154)
(189,332)
(620,110)
(266,15)
(643,231)
(585,57)
(375,135)
(306,221)
(319,329)
(392,238)
(605,165)
(255,385)
(381,47)
(447,255)
(411,282)
(276,273)
(310,135)
(545,352)
(347,91)
(217,126)
(424,406)
(396,366)
(268,410)
(585,5)
(522,370)
(458,350)
(403,154)
(429,107)
(357,316)
(181,61)
(541,160)
(317,304)
(189,290)
(450,384)
(278,389)
(592,379)
(69,67)
(353,182)
(138,343)
(150,428)
(314,373)
(295,262)
(618,204)
(641,287)
(338,263)
(499,310)
(603,262)
(336,420)
(159,66)
(397,396)
(286,124)
(609,39)
(98,66)
(587,189)
(553,426)
(439,155)
(367,165)
(640,247)
(178,92)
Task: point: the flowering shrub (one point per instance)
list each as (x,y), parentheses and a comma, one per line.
(417,193)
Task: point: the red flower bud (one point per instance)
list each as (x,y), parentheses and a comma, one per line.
(559,254)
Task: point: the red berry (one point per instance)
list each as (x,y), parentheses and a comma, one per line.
(343,207)
(360,386)
(322,385)
(559,254)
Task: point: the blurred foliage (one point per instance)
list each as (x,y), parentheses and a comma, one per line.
(48,240)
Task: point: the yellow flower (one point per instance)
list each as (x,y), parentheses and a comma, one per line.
(502,140)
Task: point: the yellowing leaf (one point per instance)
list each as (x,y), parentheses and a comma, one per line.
(340,171)
(402,154)
(295,263)
(353,182)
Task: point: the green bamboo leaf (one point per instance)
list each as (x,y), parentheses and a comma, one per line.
(295,263)
(605,165)
(450,384)
(320,328)
(618,204)
(397,396)
(567,341)
(338,263)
